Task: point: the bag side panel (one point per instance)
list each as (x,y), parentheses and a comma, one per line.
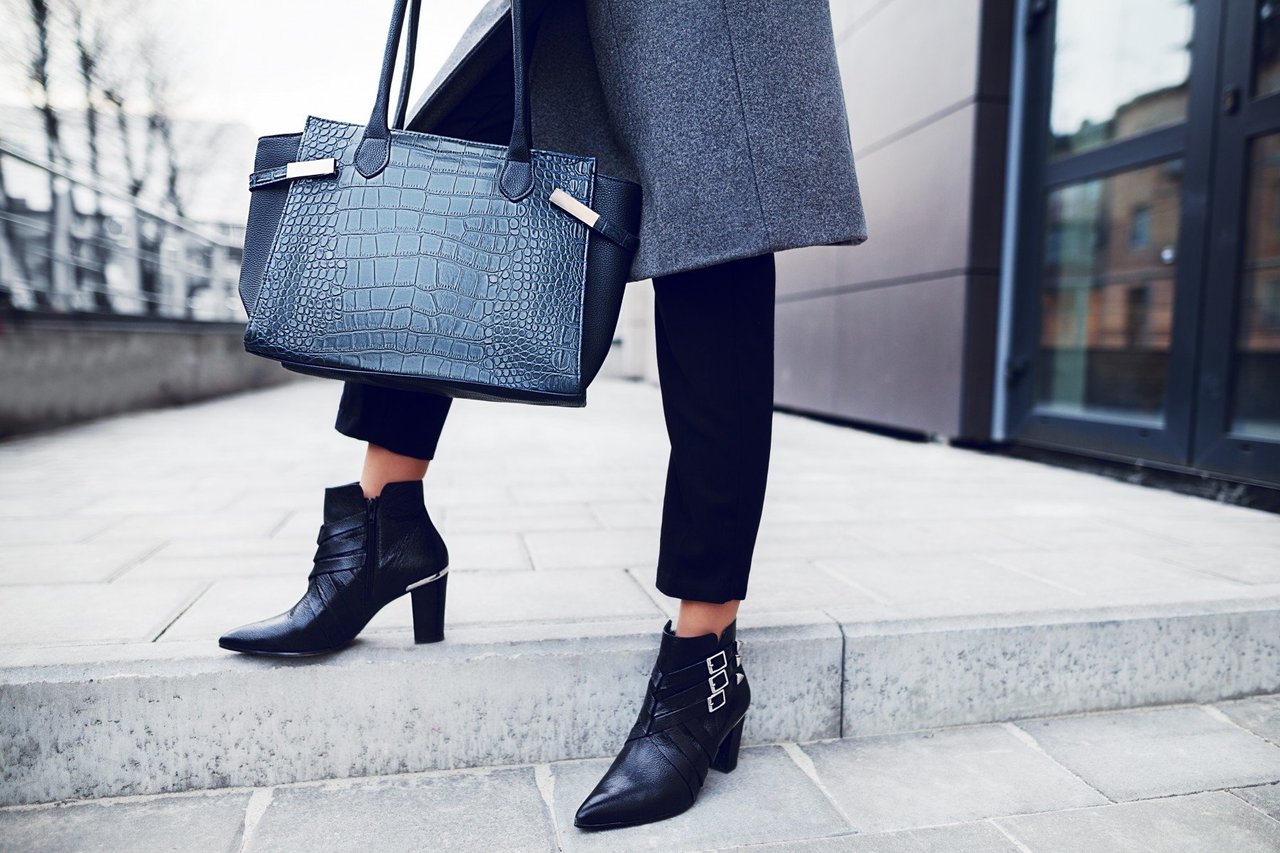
(265,207)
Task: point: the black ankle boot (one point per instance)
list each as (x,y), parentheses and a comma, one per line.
(691,720)
(372,551)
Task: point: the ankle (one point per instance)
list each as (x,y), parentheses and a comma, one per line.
(697,618)
(382,466)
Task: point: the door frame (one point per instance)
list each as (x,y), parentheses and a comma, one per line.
(1167,445)
(1216,448)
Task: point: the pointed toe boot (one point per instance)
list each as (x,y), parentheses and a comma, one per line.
(689,723)
(370,552)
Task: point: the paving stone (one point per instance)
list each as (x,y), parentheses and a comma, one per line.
(1260,715)
(53,614)
(1195,824)
(949,776)
(1094,571)
(1244,563)
(935,536)
(1055,533)
(624,515)
(55,563)
(575,549)
(518,518)
(218,568)
(193,526)
(560,594)
(236,546)
(1246,529)
(1130,755)
(202,822)
(57,530)
(958,838)
(171,496)
(475,810)
(775,587)
(567,492)
(1262,797)
(941,576)
(809,542)
(491,550)
(767,798)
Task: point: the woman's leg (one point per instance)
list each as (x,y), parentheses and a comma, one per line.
(401,427)
(715,363)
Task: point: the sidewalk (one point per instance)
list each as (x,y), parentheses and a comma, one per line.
(1185,779)
(899,586)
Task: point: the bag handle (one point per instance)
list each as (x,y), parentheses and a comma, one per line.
(374,151)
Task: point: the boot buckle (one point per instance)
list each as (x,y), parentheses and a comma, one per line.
(719,670)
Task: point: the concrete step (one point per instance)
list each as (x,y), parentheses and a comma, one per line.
(1103,783)
(148,718)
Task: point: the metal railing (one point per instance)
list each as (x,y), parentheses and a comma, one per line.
(72,246)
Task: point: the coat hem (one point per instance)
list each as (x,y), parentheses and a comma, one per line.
(720,255)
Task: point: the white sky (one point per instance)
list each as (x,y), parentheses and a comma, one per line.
(270,63)
(1110,51)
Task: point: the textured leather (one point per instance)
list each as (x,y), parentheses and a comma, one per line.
(368,552)
(619,202)
(265,207)
(415,268)
(427,270)
(677,737)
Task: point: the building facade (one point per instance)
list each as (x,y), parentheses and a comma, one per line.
(1074,210)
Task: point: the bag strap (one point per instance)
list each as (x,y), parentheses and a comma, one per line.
(374,151)
(406,73)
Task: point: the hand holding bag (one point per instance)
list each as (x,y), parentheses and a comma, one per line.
(382,255)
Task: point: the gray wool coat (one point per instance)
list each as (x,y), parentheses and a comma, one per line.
(728,113)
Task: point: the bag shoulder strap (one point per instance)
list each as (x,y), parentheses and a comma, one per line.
(374,151)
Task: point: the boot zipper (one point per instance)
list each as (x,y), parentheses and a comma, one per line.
(371,544)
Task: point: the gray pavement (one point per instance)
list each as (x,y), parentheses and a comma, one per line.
(175,525)
(914,598)
(1181,779)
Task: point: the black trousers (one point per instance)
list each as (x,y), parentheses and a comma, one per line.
(715,368)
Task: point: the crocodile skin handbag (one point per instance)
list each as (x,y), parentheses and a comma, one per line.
(381,255)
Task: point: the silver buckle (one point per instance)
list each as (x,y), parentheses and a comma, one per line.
(724,661)
(722,674)
(718,669)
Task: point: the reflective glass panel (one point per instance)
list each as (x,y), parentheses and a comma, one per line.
(1256,383)
(1266,49)
(1119,69)
(1107,295)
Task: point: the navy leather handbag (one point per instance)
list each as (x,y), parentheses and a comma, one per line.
(379,254)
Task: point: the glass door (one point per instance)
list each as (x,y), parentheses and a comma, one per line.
(1147,305)
(1238,405)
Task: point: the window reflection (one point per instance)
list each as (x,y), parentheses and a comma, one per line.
(1120,69)
(1256,395)
(1107,294)
(1266,63)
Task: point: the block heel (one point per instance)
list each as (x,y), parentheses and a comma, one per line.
(727,755)
(428,609)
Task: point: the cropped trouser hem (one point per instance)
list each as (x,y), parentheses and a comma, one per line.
(714,331)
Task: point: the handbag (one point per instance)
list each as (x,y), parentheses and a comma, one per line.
(381,255)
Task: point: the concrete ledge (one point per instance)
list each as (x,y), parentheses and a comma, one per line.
(182,718)
(903,675)
(60,371)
